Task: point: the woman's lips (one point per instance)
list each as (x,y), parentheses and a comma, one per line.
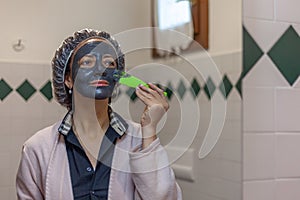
(99,83)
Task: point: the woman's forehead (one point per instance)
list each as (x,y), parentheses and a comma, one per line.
(95,45)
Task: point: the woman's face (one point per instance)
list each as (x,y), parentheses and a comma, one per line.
(93,67)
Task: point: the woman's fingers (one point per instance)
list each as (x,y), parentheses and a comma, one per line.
(156,105)
(153,90)
(144,95)
(157,89)
(152,95)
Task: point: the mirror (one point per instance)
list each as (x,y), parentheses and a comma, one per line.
(186,17)
(195,97)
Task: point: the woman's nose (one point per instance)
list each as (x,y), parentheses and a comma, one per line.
(100,70)
(104,73)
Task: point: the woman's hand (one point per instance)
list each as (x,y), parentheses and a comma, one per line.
(156,106)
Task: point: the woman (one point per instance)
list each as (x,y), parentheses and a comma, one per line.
(93,153)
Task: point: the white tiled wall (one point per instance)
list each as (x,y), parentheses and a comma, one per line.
(259,190)
(258,109)
(264,32)
(259,156)
(265,74)
(271,158)
(287,11)
(287,109)
(20,119)
(217,176)
(287,152)
(262,9)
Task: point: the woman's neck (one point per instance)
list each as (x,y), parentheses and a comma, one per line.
(90,115)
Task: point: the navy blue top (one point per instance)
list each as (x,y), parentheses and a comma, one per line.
(88,183)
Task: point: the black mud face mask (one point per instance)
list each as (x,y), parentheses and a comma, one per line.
(93,68)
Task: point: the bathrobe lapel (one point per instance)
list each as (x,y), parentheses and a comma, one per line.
(58,180)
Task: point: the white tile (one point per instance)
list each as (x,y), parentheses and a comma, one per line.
(227,189)
(229,64)
(287,109)
(5,109)
(231,150)
(234,98)
(263,9)
(259,158)
(16,144)
(265,74)
(15,162)
(297,28)
(209,167)
(265,33)
(220,188)
(16,73)
(231,171)
(258,110)
(288,10)
(32,108)
(287,155)
(12,193)
(7,178)
(297,83)
(232,130)
(5,192)
(5,143)
(287,189)
(52,110)
(259,190)
(26,127)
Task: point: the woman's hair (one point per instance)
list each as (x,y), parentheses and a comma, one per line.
(60,61)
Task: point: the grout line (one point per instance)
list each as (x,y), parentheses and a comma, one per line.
(272,179)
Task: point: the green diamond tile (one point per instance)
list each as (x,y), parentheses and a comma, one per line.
(131,94)
(165,89)
(158,85)
(5,89)
(46,90)
(209,88)
(195,88)
(181,89)
(225,87)
(238,86)
(169,91)
(286,55)
(26,90)
(251,53)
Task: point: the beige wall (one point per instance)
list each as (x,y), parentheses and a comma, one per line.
(42,25)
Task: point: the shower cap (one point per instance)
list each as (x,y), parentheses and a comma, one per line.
(60,61)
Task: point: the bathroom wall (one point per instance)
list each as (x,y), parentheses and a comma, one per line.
(271,100)
(27,104)
(42,25)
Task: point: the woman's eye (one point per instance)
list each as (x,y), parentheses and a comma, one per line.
(87,61)
(109,62)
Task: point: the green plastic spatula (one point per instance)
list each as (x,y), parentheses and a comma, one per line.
(129,80)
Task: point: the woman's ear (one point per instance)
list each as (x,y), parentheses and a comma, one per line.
(68,81)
